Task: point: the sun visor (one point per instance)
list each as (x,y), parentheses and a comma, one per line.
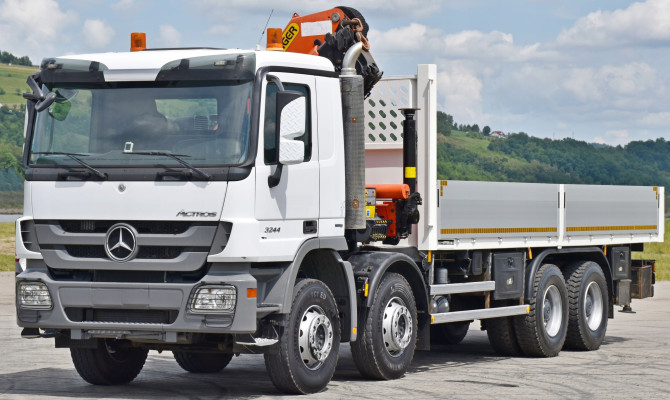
(217,67)
(65,70)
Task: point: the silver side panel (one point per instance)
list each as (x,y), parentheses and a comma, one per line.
(488,215)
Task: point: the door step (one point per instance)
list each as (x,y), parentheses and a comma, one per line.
(469,287)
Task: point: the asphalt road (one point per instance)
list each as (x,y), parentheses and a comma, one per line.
(633,363)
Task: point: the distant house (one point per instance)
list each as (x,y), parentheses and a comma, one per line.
(497,134)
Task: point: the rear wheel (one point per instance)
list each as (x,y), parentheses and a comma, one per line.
(202,362)
(304,359)
(502,336)
(588,304)
(387,339)
(450,333)
(541,333)
(109,363)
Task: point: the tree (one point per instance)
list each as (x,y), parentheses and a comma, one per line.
(475,128)
(487,130)
(444,123)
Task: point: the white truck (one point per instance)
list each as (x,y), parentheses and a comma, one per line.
(216,202)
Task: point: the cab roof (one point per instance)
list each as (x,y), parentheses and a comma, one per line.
(145,65)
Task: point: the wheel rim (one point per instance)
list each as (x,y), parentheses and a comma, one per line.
(315,337)
(593,306)
(552,310)
(396,327)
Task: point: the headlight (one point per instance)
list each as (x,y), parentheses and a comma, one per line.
(34,295)
(214,298)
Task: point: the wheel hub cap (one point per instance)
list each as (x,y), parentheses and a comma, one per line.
(552,311)
(315,338)
(593,306)
(396,327)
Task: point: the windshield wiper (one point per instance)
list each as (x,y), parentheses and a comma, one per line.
(75,156)
(175,157)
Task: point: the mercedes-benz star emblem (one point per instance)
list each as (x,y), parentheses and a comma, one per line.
(121,243)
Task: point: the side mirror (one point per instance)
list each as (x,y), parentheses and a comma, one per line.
(291,115)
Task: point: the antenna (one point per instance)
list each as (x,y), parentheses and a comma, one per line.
(266,26)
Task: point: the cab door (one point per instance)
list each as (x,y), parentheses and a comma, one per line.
(288,212)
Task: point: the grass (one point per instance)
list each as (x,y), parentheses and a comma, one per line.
(7,246)
(659,252)
(13,82)
(11,202)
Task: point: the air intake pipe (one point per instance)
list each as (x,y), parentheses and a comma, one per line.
(354,139)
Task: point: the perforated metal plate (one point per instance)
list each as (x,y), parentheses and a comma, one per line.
(383,118)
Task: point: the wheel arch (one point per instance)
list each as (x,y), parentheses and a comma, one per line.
(319,259)
(564,256)
(372,265)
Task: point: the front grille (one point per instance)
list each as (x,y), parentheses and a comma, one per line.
(78,314)
(88,275)
(161,245)
(154,227)
(145,252)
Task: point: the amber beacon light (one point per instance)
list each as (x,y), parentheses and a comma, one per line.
(138,41)
(274,39)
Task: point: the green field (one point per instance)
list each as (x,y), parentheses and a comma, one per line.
(656,251)
(11,202)
(13,83)
(7,246)
(659,252)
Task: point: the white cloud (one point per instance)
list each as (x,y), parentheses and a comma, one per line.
(33,28)
(97,33)
(658,120)
(123,5)
(170,36)
(643,23)
(614,138)
(493,46)
(460,92)
(388,8)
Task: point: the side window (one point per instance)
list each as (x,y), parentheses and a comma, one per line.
(271,122)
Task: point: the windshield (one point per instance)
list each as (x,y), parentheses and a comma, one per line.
(205,123)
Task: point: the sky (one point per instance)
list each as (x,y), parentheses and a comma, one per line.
(593,70)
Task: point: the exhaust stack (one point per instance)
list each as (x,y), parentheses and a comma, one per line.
(354,140)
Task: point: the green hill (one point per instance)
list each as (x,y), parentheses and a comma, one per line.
(523,158)
(13,83)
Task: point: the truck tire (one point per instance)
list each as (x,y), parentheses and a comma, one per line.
(202,362)
(502,336)
(304,359)
(108,364)
(450,333)
(588,301)
(387,338)
(541,332)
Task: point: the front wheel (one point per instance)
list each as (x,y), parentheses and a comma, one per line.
(387,340)
(541,333)
(304,359)
(588,304)
(109,363)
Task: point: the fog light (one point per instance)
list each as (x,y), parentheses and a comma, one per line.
(34,295)
(210,298)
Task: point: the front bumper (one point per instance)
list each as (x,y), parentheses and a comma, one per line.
(157,311)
